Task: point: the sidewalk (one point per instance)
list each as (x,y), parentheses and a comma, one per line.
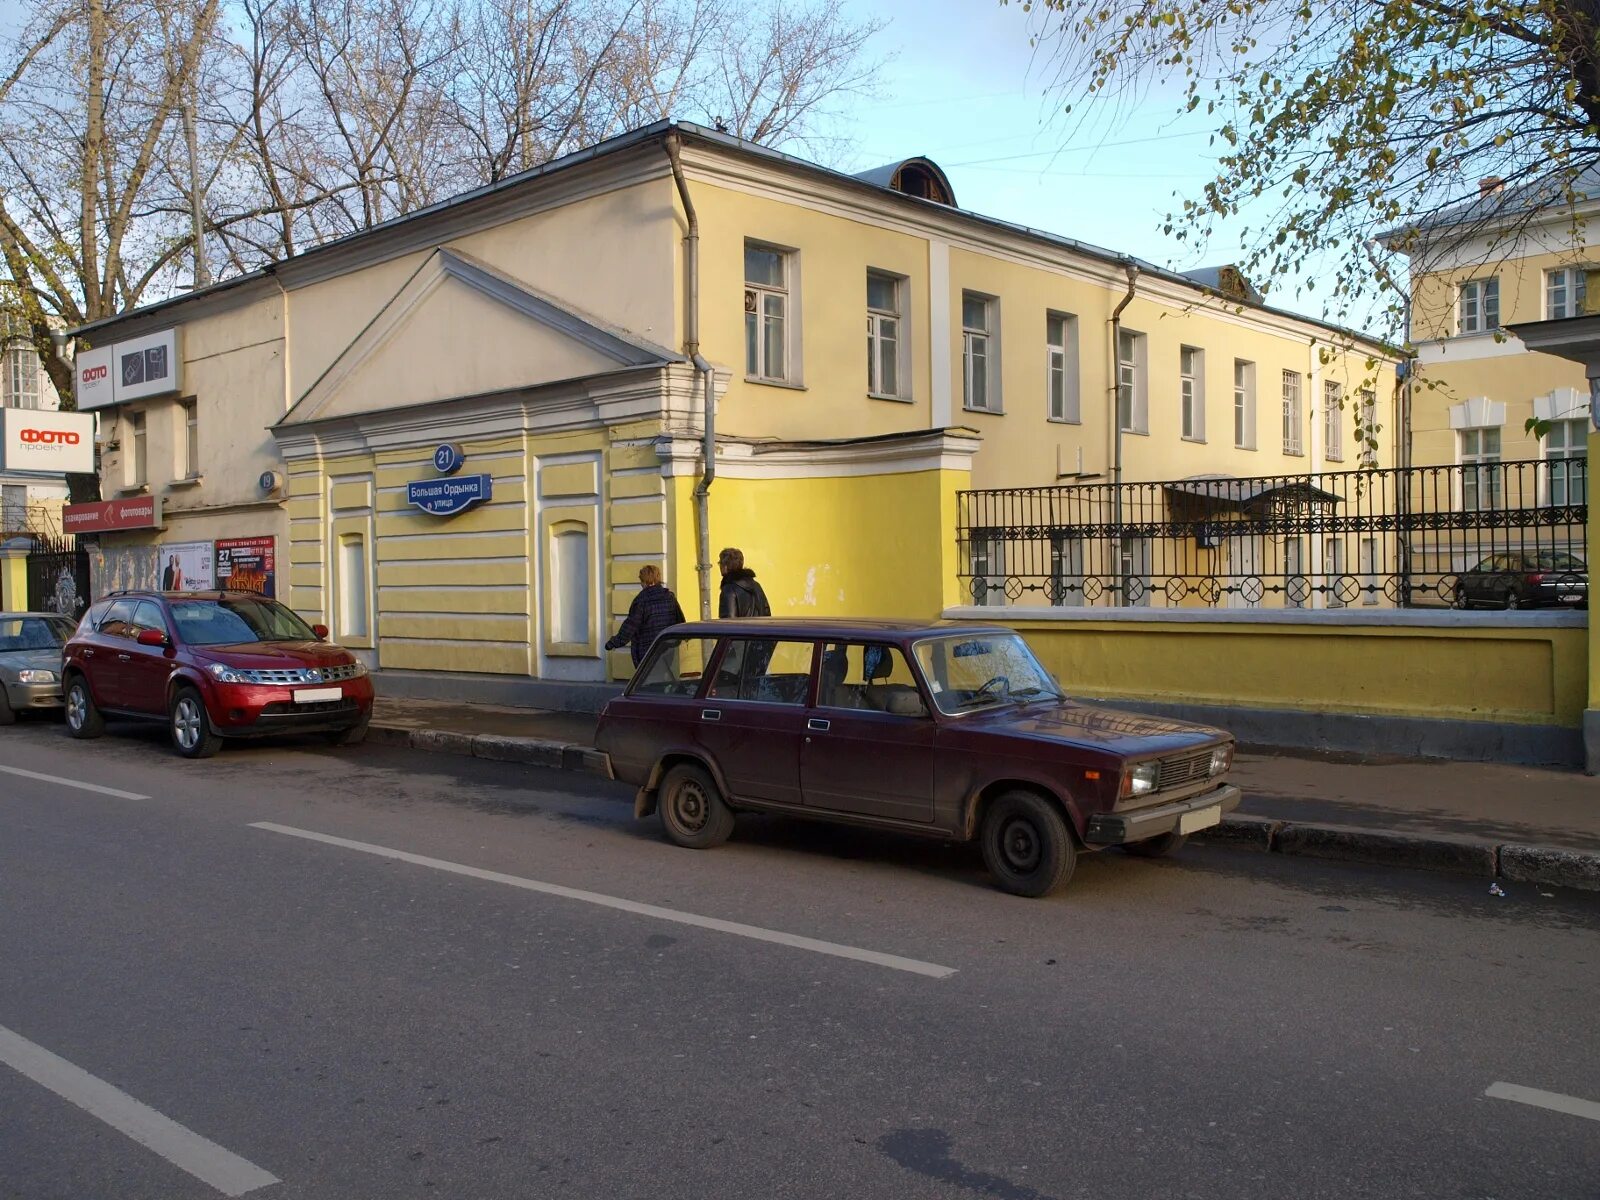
(1522,823)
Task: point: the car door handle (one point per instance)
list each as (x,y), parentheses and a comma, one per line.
(710,714)
(817,725)
(123,657)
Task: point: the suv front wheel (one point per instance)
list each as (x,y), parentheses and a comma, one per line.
(192,735)
(83,718)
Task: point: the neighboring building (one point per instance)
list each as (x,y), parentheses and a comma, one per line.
(30,501)
(539,327)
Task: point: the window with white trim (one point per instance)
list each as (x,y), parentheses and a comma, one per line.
(980,351)
(1564,291)
(1133,564)
(191,438)
(1132,378)
(1332,422)
(1192,392)
(1061,366)
(1244,404)
(1481,485)
(1479,306)
(1369,428)
(138,470)
(1066,570)
(1292,443)
(1333,569)
(19,379)
(1369,570)
(885,336)
(1566,449)
(767,272)
(987,557)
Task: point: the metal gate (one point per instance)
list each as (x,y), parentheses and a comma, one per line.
(58,576)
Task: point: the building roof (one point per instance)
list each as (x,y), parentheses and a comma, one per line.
(1495,207)
(660,131)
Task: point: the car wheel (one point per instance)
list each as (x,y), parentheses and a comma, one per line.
(1158,847)
(1027,845)
(83,718)
(693,811)
(352,736)
(192,735)
(1513,600)
(1459,600)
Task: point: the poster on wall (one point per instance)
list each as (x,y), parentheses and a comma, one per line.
(186,567)
(248,565)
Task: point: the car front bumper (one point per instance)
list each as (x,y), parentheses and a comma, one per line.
(255,710)
(1137,825)
(23,696)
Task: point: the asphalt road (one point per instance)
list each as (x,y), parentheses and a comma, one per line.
(346,1023)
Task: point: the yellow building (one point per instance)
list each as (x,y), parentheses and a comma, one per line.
(466,430)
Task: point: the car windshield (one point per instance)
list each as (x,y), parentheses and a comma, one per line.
(969,671)
(33,633)
(229,622)
(1556,560)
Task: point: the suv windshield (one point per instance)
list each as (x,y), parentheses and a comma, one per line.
(229,622)
(969,671)
(33,633)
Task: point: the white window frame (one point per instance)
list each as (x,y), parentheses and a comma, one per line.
(190,412)
(1133,562)
(1293,425)
(1559,454)
(1369,421)
(1133,375)
(138,459)
(1294,567)
(1066,571)
(981,343)
(987,553)
(1565,289)
(1478,305)
(888,324)
(1244,404)
(1471,450)
(1333,569)
(756,297)
(1192,392)
(1367,564)
(20,383)
(1061,368)
(1333,420)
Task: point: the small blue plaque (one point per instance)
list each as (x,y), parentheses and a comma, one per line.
(446,497)
(447,458)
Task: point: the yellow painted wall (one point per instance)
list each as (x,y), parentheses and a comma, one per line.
(1434,293)
(1526,676)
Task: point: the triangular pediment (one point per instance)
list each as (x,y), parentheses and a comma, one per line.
(460,328)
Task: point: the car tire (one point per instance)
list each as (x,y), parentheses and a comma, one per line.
(8,715)
(190,727)
(1158,847)
(693,812)
(1513,601)
(83,718)
(1026,844)
(353,736)
(1459,600)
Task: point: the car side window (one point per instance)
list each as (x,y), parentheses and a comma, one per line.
(764,671)
(147,615)
(869,678)
(118,621)
(673,669)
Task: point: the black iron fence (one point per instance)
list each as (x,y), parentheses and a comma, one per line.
(58,575)
(1397,537)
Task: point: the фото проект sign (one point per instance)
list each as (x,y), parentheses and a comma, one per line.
(40,440)
(450,495)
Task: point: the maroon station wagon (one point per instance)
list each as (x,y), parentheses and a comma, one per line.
(948,731)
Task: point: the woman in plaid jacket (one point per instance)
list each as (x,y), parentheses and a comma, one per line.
(654,609)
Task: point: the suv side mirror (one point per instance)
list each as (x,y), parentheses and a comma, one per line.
(152,637)
(321,631)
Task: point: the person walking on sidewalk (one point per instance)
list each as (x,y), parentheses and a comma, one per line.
(741,594)
(654,609)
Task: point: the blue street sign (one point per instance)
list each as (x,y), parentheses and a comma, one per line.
(446,497)
(447,458)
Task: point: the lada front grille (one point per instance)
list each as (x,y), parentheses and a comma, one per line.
(297,676)
(1183,769)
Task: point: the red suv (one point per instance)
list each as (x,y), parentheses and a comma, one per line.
(213,665)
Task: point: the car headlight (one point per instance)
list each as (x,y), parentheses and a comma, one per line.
(1140,780)
(360,668)
(1221,759)
(226,674)
(36,677)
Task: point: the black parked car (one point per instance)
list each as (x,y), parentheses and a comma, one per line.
(1525,580)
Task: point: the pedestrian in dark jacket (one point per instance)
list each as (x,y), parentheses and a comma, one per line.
(741,594)
(655,608)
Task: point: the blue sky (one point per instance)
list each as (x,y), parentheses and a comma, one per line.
(965,89)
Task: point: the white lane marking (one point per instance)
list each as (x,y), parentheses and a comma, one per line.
(876,958)
(1554,1101)
(183,1148)
(74,783)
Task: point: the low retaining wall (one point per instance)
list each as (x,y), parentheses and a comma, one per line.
(1506,687)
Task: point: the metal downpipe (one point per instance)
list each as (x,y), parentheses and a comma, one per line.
(1132,268)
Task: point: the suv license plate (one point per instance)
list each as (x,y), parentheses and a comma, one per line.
(317,695)
(1200,818)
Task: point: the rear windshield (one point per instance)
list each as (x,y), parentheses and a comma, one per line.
(1556,560)
(33,633)
(230,622)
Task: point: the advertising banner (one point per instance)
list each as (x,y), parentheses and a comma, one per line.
(187,567)
(131,370)
(248,565)
(95,387)
(106,516)
(38,440)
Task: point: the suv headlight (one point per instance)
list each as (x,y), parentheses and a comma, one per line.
(226,674)
(1140,780)
(360,668)
(1221,759)
(36,677)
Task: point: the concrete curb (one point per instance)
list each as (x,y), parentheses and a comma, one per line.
(1550,865)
